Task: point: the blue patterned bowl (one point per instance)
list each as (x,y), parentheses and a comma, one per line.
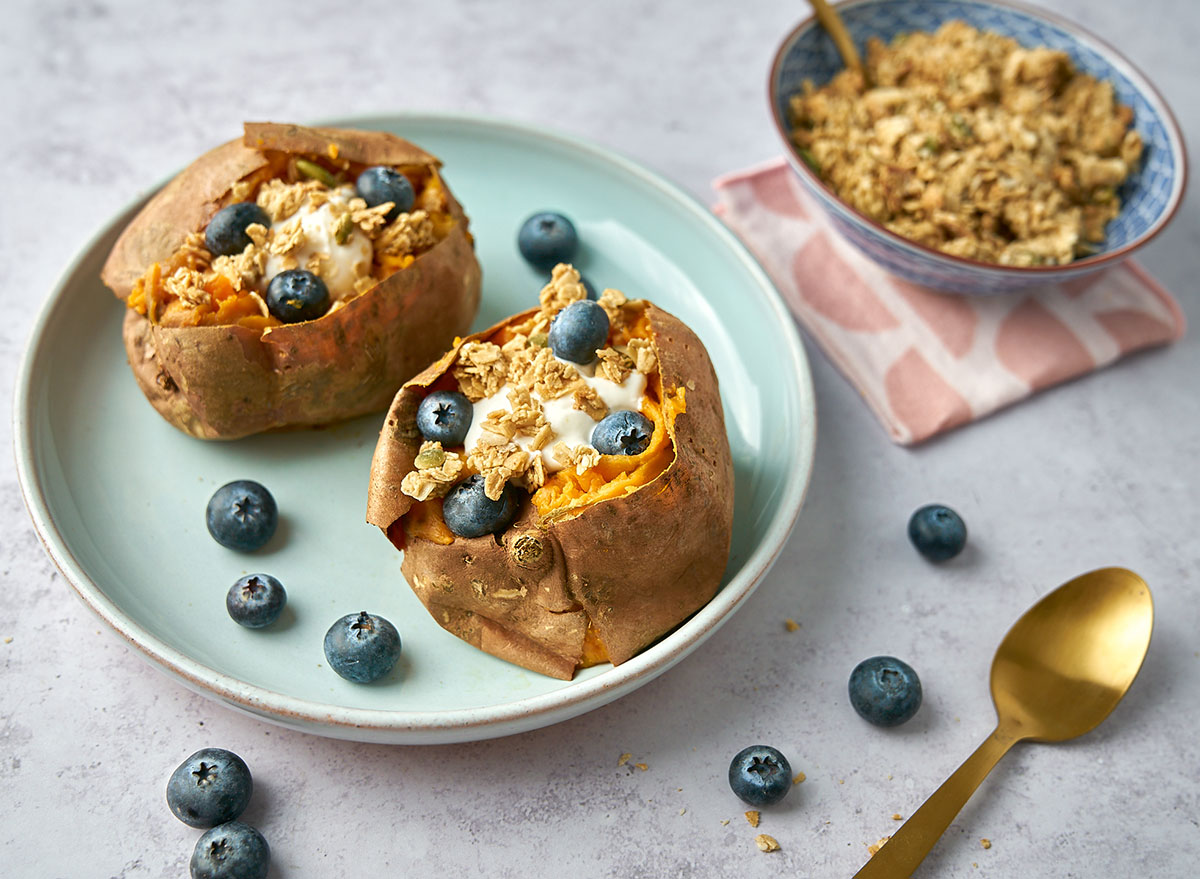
(1149,197)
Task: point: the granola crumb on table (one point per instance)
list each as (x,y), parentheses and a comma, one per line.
(766,843)
(973,145)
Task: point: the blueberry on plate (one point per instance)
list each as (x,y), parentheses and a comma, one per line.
(231,851)
(381,184)
(226,235)
(297,295)
(242,515)
(937,532)
(885,691)
(622,433)
(760,775)
(469,512)
(445,417)
(209,788)
(255,600)
(578,330)
(362,647)
(546,239)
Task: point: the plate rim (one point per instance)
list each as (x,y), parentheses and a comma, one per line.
(407,726)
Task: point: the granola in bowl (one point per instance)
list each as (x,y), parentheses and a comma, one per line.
(970,144)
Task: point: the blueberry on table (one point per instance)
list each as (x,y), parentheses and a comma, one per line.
(297,295)
(231,851)
(381,184)
(578,330)
(622,433)
(255,600)
(760,775)
(242,515)
(885,691)
(362,647)
(937,532)
(209,788)
(546,239)
(445,417)
(469,512)
(226,235)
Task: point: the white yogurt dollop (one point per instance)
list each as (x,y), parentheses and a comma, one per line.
(338,269)
(570,425)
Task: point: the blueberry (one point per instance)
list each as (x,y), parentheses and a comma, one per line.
(226,235)
(231,851)
(885,691)
(546,239)
(297,295)
(379,184)
(937,532)
(578,330)
(255,600)
(622,433)
(469,512)
(760,775)
(242,515)
(445,417)
(591,291)
(209,788)
(362,647)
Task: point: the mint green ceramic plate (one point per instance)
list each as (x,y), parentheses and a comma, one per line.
(118,496)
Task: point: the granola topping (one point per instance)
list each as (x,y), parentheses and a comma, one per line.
(307,237)
(973,145)
(440,471)
(539,403)
(316,225)
(533,414)
(187,284)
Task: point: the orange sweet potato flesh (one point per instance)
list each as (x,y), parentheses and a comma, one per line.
(225,382)
(600,578)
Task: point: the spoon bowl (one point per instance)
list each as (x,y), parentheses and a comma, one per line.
(1063,666)
(1061,669)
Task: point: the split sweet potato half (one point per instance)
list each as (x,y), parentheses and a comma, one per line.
(203,346)
(603,557)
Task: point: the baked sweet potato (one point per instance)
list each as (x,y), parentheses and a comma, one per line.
(205,348)
(603,557)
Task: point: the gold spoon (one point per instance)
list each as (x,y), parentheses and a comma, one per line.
(832,22)
(1056,675)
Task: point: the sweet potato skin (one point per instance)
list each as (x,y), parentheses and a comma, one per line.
(633,567)
(226,382)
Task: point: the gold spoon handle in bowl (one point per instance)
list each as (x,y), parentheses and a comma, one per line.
(906,849)
(832,22)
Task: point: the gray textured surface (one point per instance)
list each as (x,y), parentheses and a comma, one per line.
(102,99)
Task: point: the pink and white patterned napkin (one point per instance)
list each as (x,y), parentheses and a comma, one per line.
(927,361)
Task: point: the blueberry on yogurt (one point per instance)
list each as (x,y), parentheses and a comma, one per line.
(622,433)
(226,235)
(578,330)
(380,184)
(445,417)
